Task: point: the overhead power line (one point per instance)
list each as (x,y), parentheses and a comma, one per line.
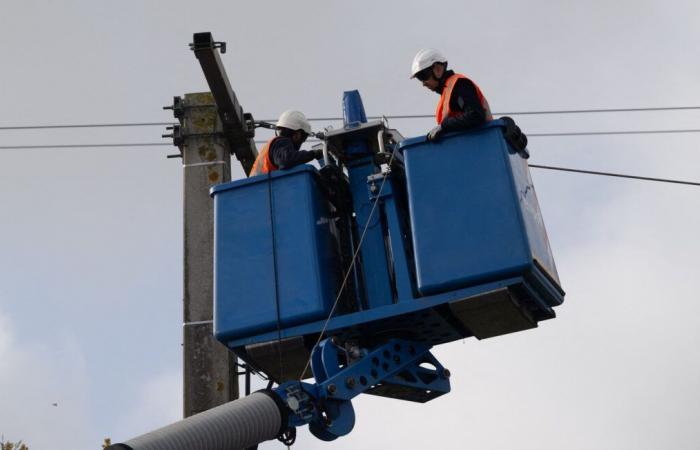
(600,110)
(133,144)
(394,116)
(583,133)
(89,125)
(543,112)
(152,144)
(601,133)
(618,175)
(536,166)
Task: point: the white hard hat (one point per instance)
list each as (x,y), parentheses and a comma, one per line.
(425,58)
(294,120)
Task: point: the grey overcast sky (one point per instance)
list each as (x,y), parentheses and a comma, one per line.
(91,239)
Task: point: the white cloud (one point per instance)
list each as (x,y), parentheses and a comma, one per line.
(158,403)
(5,337)
(43,390)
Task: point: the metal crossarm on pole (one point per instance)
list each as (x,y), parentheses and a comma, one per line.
(230,111)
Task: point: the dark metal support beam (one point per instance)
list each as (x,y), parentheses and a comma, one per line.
(238,133)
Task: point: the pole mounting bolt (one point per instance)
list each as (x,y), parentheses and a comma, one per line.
(177,107)
(176,135)
(249,125)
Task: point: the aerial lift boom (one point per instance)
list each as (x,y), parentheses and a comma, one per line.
(341,373)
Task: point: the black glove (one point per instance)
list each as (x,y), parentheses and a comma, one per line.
(435,133)
(318,153)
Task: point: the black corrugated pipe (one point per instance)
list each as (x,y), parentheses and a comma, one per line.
(239,424)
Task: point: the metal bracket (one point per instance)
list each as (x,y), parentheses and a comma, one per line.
(399,369)
(249,125)
(177,107)
(176,135)
(396,362)
(201,45)
(374,182)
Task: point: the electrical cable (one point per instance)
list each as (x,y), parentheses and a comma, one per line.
(151,144)
(397,116)
(619,175)
(601,133)
(275,273)
(599,110)
(160,144)
(525,113)
(88,125)
(133,144)
(350,269)
(583,133)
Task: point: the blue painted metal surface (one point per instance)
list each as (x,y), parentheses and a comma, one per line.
(531,215)
(353,109)
(273,241)
(473,210)
(344,372)
(456,246)
(383,191)
(395,361)
(373,254)
(417,318)
(375,268)
(465,245)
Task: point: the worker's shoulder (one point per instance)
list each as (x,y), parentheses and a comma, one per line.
(464,89)
(281,141)
(464,82)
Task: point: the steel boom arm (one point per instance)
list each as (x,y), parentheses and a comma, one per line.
(342,372)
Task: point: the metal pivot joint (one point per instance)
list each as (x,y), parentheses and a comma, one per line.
(344,371)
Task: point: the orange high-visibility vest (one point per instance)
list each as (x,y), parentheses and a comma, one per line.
(443,108)
(263,163)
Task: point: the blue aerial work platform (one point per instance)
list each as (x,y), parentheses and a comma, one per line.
(353,272)
(452,240)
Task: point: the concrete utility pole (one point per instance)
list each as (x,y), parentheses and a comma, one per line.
(212,128)
(210,376)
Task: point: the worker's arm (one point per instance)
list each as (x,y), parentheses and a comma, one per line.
(285,156)
(464,98)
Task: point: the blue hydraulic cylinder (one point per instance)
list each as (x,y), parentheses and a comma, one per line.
(397,246)
(353,109)
(372,252)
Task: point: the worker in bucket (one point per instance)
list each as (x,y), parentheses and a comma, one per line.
(462,105)
(283,150)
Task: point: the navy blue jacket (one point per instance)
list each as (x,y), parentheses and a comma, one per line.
(285,155)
